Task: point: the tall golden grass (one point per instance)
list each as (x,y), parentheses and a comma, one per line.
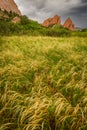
(43,83)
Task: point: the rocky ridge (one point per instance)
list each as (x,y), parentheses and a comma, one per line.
(52,21)
(57,20)
(9,5)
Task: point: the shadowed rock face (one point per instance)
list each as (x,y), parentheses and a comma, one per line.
(9,5)
(52,21)
(69,24)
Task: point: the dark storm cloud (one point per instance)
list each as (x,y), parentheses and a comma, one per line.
(41,9)
(84,1)
(80,9)
(79,14)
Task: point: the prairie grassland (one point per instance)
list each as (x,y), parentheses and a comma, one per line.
(43,83)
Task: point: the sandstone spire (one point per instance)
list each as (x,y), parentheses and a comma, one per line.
(69,24)
(9,5)
(52,21)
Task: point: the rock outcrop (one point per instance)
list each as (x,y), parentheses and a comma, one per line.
(69,24)
(52,21)
(57,20)
(16,20)
(9,5)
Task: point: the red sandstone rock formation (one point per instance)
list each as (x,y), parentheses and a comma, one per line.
(16,20)
(9,5)
(69,24)
(52,21)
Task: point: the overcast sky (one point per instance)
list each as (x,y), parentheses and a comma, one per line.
(40,10)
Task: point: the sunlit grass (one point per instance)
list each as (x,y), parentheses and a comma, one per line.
(43,83)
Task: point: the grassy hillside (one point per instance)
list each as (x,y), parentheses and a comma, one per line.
(43,83)
(32,28)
